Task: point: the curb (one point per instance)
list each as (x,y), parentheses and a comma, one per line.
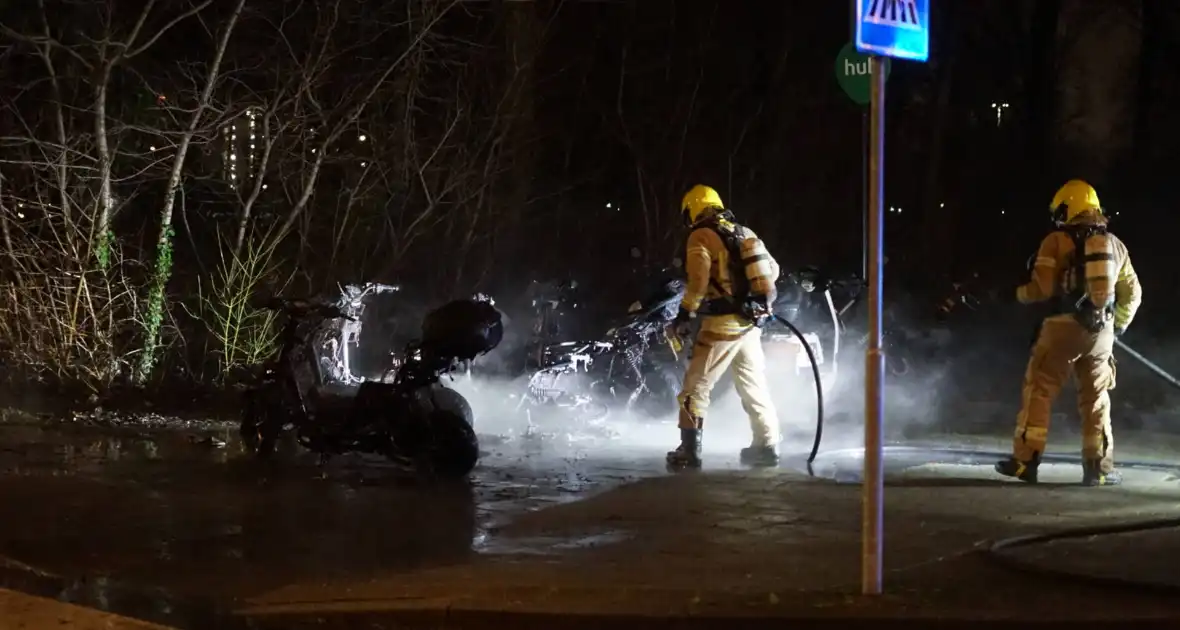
(19,611)
(496,620)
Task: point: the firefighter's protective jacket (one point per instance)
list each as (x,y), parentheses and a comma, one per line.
(1109,276)
(708,268)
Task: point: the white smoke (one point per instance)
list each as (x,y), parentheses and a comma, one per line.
(912,402)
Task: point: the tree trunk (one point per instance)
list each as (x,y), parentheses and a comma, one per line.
(1099,45)
(100,231)
(163,265)
(523,37)
(1040,92)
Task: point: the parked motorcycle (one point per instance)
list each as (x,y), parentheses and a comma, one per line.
(817,301)
(409,418)
(821,303)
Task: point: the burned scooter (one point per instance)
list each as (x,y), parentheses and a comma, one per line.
(412,419)
(634,367)
(335,340)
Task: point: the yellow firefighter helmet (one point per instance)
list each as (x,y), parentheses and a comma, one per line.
(698,204)
(1072,199)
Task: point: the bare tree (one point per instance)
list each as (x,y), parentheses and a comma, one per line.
(162,269)
(59,320)
(336,159)
(73,180)
(421,19)
(100,56)
(660,154)
(1096,90)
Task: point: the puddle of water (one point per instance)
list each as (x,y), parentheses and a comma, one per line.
(150,604)
(112,507)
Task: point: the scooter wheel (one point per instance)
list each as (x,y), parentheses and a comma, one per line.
(447,399)
(453,448)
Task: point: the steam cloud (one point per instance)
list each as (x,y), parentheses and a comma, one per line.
(961,379)
(913,403)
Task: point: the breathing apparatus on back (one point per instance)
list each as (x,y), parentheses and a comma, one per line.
(750,270)
(1088,283)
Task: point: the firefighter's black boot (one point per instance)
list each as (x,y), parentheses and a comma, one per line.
(760,456)
(1024,471)
(1092,474)
(688,454)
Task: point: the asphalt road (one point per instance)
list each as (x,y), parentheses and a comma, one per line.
(179,527)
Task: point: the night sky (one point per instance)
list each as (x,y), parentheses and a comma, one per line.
(629,103)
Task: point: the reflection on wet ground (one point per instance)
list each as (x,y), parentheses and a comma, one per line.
(177,527)
(94,513)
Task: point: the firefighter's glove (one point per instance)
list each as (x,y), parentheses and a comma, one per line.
(757,310)
(682,325)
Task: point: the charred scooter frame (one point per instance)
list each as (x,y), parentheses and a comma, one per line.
(334,338)
(413,420)
(620,369)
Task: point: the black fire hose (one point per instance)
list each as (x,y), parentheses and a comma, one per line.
(819,387)
(997,549)
(1147,363)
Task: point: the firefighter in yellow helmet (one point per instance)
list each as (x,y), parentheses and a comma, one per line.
(731,287)
(1084,272)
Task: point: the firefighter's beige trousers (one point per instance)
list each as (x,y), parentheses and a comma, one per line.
(1062,347)
(712,354)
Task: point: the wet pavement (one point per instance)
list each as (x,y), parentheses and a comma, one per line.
(20,611)
(179,528)
(177,524)
(1094,557)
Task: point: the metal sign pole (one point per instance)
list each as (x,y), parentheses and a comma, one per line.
(864,193)
(898,29)
(873,488)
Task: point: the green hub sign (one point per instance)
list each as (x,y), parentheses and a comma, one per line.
(852,73)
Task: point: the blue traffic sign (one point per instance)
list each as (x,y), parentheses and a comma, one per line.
(894,28)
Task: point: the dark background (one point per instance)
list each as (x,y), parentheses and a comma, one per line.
(550,111)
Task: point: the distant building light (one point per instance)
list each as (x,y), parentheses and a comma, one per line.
(999,107)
